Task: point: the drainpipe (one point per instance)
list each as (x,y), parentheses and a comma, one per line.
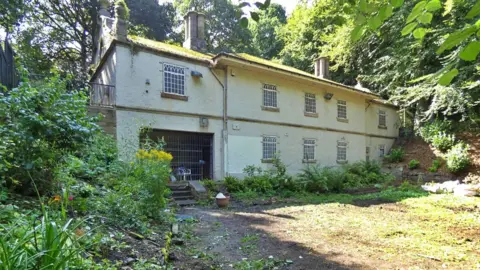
(225,119)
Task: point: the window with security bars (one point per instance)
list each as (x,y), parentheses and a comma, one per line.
(308,149)
(342,109)
(341,151)
(269,147)
(381,150)
(382,118)
(310,103)
(174,79)
(269,95)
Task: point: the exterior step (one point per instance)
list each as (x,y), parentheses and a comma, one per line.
(182,198)
(179,187)
(179,193)
(186,202)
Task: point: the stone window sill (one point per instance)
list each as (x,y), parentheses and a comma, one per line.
(382,127)
(267,160)
(310,114)
(309,161)
(174,96)
(342,161)
(270,109)
(344,120)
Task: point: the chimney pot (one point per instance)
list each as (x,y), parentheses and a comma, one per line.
(195,31)
(322,65)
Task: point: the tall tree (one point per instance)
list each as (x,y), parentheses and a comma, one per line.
(224,31)
(266,32)
(11,13)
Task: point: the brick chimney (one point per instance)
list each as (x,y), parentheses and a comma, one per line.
(322,65)
(195,31)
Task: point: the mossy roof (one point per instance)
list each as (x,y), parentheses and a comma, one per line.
(169,48)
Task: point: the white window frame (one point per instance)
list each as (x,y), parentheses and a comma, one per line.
(382,114)
(342,104)
(269,141)
(172,90)
(381,150)
(309,144)
(272,89)
(342,145)
(310,103)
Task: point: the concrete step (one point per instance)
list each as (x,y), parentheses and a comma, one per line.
(179,187)
(182,198)
(186,202)
(176,193)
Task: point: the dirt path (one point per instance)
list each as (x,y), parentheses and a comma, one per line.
(229,237)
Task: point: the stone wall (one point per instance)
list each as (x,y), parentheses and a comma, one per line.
(402,174)
(108,121)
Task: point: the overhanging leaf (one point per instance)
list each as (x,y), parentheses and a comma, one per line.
(433,5)
(357,32)
(456,38)
(259,5)
(243,4)
(471,51)
(409,28)
(385,12)
(419,33)
(254,16)
(474,11)
(375,22)
(425,18)
(363,6)
(448,77)
(244,22)
(416,11)
(360,19)
(396,3)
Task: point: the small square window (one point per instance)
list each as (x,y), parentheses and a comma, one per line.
(269,147)
(381,150)
(310,103)
(270,96)
(382,118)
(341,151)
(342,109)
(308,149)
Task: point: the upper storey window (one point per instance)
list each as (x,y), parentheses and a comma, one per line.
(174,79)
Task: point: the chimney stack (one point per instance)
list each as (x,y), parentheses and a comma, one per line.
(195,31)
(322,65)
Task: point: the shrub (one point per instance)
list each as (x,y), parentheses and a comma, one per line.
(312,179)
(413,164)
(210,185)
(442,141)
(429,130)
(39,125)
(233,184)
(396,155)
(435,165)
(457,158)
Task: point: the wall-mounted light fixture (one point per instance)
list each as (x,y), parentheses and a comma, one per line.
(328,96)
(197,74)
(147,81)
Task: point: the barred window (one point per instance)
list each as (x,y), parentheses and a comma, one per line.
(342,109)
(381,150)
(341,151)
(382,118)
(269,147)
(269,95)
(308,149)
(310,103)
(174,79)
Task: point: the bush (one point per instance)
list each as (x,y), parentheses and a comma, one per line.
(429,130)
(396,155)
(313,179)
(210,185)
(435,165)
(233,184)
(38,126)
(457,158)
(413,164)
(442,141)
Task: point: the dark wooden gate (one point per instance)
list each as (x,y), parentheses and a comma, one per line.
(8,72)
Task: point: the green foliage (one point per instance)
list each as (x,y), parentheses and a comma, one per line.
(121,10)
(457,158)
(436,164)
(413,164)
(442,141)
(429,130)
(210,185)
(40,124)
(233,184)
(266,41)
(396,155)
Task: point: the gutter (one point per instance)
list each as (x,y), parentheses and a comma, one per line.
(344,87)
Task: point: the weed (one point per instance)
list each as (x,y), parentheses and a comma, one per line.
(413,164)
